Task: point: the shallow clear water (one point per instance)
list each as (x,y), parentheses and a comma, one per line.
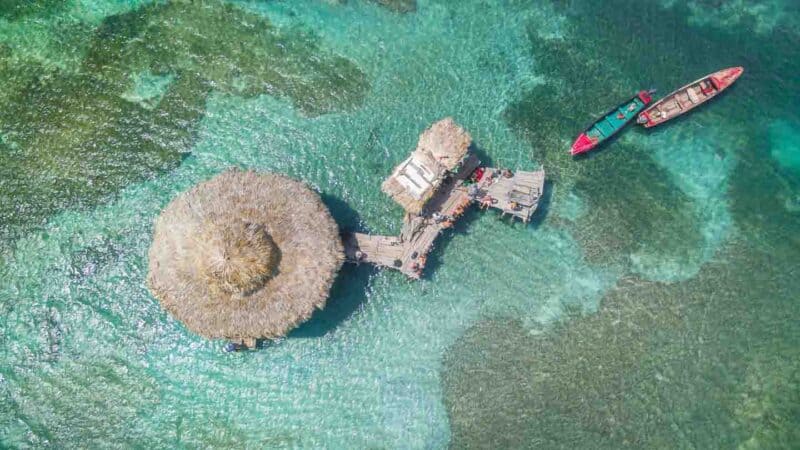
(652,303)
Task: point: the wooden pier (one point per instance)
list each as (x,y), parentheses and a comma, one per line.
(435,185)
(516,194)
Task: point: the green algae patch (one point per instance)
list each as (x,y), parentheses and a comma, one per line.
(401,6)
(635,209)
(132,110)
(398,6)
(765,197)
(706,363)
(16,9)
(234,51)
(73,139)
(757,15)
(58,409)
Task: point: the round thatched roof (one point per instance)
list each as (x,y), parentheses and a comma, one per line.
(244,255)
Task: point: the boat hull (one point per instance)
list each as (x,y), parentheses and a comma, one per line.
(610,123)
(689,97)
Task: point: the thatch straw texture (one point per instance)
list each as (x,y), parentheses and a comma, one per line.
(440,149)
(244,255)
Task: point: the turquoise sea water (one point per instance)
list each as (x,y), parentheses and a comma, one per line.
(653,303)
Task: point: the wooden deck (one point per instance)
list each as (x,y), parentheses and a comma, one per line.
(516,194)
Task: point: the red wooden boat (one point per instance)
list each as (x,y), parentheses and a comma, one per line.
(610,123)
(689,97)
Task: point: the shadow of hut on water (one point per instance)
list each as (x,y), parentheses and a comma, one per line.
(349,290)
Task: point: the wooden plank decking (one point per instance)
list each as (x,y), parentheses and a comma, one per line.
(515,194)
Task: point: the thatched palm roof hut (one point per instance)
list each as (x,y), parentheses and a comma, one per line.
(244,255)
(440,150)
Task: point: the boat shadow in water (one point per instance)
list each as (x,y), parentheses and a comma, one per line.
(349,290)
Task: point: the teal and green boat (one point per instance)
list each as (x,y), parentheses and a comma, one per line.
(611,123)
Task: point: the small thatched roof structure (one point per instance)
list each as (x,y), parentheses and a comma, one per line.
(441,149)
(244,255)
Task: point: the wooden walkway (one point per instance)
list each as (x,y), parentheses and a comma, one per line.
(516,194)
